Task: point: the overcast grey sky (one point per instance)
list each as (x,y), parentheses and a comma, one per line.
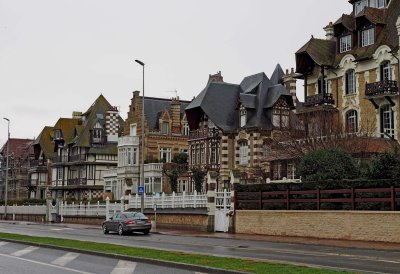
(58,56)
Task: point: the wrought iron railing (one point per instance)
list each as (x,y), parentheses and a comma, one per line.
(319,99)
(382,88)
(77,182)
(203,134)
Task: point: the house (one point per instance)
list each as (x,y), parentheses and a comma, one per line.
(351,87)
(18,165)
(43,153)
(232,125)
(353,74)
(85,146)
(165,136)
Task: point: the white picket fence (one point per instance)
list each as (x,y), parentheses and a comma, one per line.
(29,210)
(174,200)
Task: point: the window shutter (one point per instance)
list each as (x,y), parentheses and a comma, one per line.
(381,122)
(381,73)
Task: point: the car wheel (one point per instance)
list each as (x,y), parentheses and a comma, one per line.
(105,230)
(120,230)
(147,231)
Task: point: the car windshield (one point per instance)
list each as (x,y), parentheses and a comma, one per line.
(135,216)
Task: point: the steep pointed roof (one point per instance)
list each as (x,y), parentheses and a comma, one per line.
(321,51)
(277,75)
(67,127)
(45,142)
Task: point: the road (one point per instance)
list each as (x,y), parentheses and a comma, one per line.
(351,259)
(25,259)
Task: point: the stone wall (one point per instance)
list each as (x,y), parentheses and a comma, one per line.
(346,225)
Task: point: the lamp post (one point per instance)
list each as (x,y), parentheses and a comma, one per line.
(7,155)
(141,182)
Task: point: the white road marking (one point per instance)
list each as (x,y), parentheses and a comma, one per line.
(124,267)
(45,264)
(60,229)
(66,258)
(24,251)
(3,243)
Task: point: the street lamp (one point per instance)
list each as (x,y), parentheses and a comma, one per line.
(141,182)
(7,155)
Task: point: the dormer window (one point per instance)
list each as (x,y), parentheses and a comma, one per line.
(367,37)
(380,4)
(58,134)
(243,117)
(97,135)
(360,5)
(165,128)
(345,43)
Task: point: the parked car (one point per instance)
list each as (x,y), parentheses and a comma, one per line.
(127,222)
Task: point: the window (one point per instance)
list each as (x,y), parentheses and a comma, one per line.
(276,174)
(291,171)
(360,5)
(97,135)
(367,37)
(129,156)
(345,43)
(165,128)
(214,153)
(133,130)
(350,82)
(387,122)
(323,86)
(243,153)
(60,174)
(380,4)
(243,117)
(386,71)
(280,118)
(352,121)
(185,129)
(58,134)
(165,154)
(135,156)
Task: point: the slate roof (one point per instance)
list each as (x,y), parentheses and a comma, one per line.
(220,101)
(324,52)
(153,108)
(45,142)
(20,148)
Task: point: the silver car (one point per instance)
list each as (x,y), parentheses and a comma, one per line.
(127,222)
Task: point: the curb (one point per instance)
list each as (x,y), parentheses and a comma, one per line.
(169,264)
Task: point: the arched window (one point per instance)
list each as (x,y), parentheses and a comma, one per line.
(350,82)
(352,121)
(387,121)
(386,71)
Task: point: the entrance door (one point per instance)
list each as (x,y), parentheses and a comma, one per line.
(222,208)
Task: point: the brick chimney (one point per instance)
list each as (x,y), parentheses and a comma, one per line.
(216,77)
(329,31)
(289,81)
(112,125)
(176,116)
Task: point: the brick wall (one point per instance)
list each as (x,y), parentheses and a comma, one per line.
(347,225)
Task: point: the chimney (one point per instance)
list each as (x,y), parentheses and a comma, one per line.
(329,31)
(176,116)
(289,81)
(112,125)
(216,77)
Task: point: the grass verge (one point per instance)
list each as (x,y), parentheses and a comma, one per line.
(171,256)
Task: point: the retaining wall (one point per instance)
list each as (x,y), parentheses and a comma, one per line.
(346,225)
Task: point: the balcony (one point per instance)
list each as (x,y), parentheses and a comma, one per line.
(126,170)
(158,167)
(128,141)
(205,133)
(319,99)
(382,88)
(110,173)
(77,158)
(59,159)
(77,182)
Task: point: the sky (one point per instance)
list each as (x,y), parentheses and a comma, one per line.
(58,56)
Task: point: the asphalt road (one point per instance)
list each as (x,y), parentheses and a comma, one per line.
(25,259)
(350,259)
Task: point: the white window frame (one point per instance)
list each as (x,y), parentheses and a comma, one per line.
(345,43)
(380,4)
(387,71)
(165,153)
(165,128)
(243,117)
(133,130)
(350,82)
(352,121)
(185,129)
(367,37)
(244,153)
(291,171)
(387,121)
(360,5)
